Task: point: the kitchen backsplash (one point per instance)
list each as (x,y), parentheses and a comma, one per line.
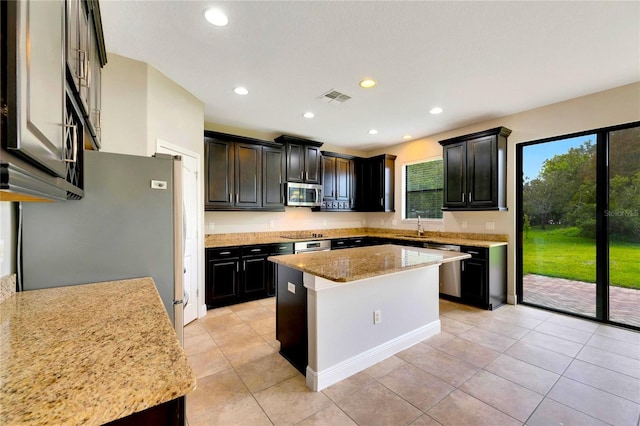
(7,287)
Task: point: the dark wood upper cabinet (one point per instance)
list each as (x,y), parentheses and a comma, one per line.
(343,179)
(338,180)
(375,183)
(328,178)
(242,173)
(303,159)
(474,171)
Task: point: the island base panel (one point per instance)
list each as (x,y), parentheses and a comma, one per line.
(291,317)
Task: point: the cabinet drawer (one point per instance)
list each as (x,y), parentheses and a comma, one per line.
(282,248)
(254,250)
(476,252)
(223,253)
(340,243)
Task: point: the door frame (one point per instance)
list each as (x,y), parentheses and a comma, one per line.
(179,150)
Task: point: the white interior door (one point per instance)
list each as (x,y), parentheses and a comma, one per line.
(191,231)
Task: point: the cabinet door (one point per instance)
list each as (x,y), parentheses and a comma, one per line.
(328,178)
(376,199)
(482,172)
(353,184)
(37,39)
(254,277)
(222,282)
(343,180)
(312,157)
(295,163)
(248,175)
(219,182)
(455,174)
(474,289)
(272,179)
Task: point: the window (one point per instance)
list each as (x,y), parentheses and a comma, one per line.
(423,189)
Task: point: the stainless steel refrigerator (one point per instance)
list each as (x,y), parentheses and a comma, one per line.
(128,225)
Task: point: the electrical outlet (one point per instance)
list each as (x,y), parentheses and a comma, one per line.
(272,224)
(464,224)
(490,225)
(377,316)
(394,222)
(212,226)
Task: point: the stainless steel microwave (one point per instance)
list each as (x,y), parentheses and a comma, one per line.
(303,194)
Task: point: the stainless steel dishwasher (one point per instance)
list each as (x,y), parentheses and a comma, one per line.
(450,273)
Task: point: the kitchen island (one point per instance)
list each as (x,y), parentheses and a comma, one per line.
(339,312)
(91,354)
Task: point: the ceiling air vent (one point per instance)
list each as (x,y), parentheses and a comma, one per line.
(334,97)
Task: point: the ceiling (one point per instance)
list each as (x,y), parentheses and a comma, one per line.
(476,60)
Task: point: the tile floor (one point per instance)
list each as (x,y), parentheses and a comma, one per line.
(516,365)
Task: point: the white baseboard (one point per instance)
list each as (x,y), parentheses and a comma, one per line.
(320,380)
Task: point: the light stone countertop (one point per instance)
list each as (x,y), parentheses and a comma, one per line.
(254,238)
(358,263)
(88,354)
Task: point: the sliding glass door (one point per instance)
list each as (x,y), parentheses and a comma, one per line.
(579,210)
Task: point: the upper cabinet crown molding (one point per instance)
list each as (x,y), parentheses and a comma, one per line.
(475,168)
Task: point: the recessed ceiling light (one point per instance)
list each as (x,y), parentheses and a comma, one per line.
(367,83)
(241,91)
(436,110)
(373,132)
(405,137)
(308,114)
(216,17)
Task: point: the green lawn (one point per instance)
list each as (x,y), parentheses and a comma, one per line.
(557,252)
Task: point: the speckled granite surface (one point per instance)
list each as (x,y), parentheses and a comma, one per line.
(7,287)
(365,262)
(251,238)
(88,354)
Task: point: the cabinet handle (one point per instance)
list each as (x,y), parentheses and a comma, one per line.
(462,264)
(229,197)
(83,66)
(224,253)
(74,128)
(306,175)
(255,250)
(382,201)
(463,194)
(472,252)
(244,265)
(470,197)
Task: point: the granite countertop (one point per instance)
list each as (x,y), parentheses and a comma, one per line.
(358,263)
(88,354)
(254,238)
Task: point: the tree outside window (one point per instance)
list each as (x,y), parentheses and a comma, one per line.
(423,189)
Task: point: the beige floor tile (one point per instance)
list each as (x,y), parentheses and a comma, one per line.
(539,357)
(459,408)
(256,313)
(452,326)
(348,386)
(550,412)
(214,392)
(240,412)
(532,312)
(246,350)
(425,420)
(439,339)
(573,322)
(594,402)
(264,325)
(270,337)
(630,350)
(377,405)
(506,396)
(234,333)
(504,328)
(564,332)
(217,312)
(531,377)
(517,318)
(416,386)
(330,416)
(269,301)
(291,401)
(442,365)
(611,361)
(221,322)
(194,328)
(470,352)
(208,362)
(198,343)
(266,372)
(245,306)
(491,340)
(471,317)
(623,334)
(601,378)
(552,343)
(385,366)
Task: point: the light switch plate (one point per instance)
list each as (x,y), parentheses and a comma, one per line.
(291,287)
(158,184)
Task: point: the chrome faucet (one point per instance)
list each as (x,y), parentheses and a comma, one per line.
(420,231)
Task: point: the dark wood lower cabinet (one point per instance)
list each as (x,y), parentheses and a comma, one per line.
(484,277)
(291,317)
(170,413)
